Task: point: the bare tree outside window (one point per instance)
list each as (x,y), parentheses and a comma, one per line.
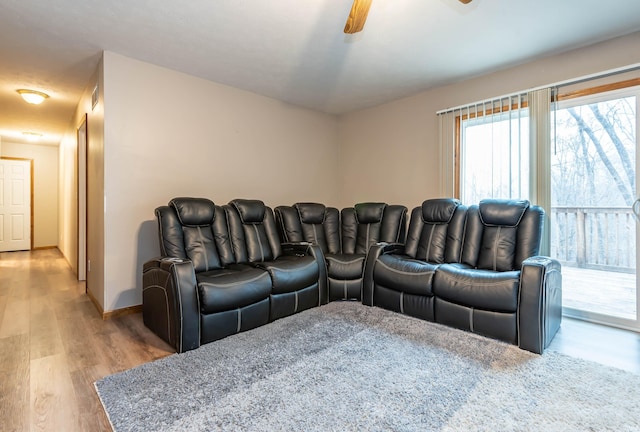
(593,183)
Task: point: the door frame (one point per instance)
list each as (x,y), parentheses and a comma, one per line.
(31,169)
(82,139)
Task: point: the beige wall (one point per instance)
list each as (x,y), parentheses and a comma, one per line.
(68,202)
(162,134)
(68,162)
(391,152)
(45,189)
(169,134)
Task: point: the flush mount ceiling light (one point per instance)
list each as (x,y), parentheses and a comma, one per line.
(32,96)
(32,136)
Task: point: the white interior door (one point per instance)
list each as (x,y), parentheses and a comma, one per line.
(15,205)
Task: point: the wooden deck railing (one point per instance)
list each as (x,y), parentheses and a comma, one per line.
(594,237)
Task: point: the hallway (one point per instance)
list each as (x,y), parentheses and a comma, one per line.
(54,345)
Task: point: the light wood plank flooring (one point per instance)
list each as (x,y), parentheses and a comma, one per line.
(54,345)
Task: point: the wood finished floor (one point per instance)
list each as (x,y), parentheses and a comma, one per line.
(54,345)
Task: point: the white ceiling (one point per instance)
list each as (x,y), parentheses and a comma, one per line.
(291,50)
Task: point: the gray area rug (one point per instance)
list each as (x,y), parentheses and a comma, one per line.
(348,367)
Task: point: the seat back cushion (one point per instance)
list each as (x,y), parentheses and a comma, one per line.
(367,223)
(436,230)
(288,223)
(491,237)
(320,225)
(394,224)
(253,231)
(190,233)
(310,222)
(530,231)
(170,233)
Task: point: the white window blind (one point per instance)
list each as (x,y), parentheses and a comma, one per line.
(498,148)
(487,147)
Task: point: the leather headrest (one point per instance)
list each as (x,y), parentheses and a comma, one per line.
(194,211)
(439,210)
(311,213)
(367,213)
(497,212)
(251,211)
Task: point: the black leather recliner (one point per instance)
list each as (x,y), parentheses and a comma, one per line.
(400,276)
(294,271)
(476,269)
(223,271)
(344,237)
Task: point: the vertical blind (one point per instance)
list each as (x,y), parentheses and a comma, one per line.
(498,148)
(487,148)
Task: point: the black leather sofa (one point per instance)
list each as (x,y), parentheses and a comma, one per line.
(473,268)
(223,270)
(344,237)
(231,268)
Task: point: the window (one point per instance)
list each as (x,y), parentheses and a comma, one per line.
(593,188)
(494,151)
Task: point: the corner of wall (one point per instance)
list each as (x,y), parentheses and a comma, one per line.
(68,186)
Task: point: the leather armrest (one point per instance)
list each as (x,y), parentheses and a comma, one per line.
(374,253)
(392,248)
(306,248)
(296,248)
(540,304)
(170,302)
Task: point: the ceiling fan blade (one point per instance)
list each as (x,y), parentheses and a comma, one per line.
(357,16)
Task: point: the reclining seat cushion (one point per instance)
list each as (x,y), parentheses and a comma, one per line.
(406,274)
(288,273)
(493,283)
(197,215)
(291,273)
(424,249)
(236,286)
(478,289)
(360,229)
(345,266)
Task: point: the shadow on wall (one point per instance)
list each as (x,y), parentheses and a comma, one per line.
(148,247)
